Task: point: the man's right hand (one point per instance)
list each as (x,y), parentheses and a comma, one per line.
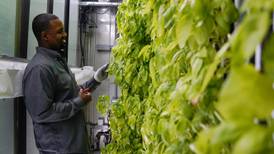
(85,95)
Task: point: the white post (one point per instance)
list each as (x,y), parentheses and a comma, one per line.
(258,58)
(273,22)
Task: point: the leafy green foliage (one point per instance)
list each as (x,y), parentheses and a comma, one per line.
(268,56)
(252,29)
(246,88)
(103,104)
(246,99)
(170,63)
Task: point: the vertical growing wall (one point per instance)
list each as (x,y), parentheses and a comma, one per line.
(185,79)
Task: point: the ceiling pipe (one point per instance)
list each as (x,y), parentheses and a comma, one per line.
(103,4)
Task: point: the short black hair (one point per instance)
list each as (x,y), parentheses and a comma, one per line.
(41,23)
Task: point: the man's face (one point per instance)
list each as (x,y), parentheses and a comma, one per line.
(55,35)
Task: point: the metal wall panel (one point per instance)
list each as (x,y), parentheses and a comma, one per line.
(6,126)
(36,7)
(7,26)
(7,47)
(73,32)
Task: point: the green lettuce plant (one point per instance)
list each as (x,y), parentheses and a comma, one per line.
(186,82)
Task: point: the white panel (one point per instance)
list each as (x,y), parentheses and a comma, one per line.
(7,45)
(272,22)
(6,126)
(7,26)
(59,8)
(258,58)
(73,32)
(36,7)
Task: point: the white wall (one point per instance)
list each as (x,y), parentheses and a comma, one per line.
(7,46)
(7,26)
(73,32)
(6,126)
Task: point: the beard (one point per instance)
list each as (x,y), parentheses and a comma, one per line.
(62,49)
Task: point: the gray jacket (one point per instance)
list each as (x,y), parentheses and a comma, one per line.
(53,102)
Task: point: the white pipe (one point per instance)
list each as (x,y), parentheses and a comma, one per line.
(273,22)
(237,3)
(258,58)
(99,4)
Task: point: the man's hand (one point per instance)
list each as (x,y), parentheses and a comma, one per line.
(101,73)
(85,95)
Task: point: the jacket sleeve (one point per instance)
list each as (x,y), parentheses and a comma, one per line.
(92,84)
(38,89)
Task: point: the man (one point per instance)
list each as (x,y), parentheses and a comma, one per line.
(52,97)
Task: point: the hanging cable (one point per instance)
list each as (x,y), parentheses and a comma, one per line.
(83,22)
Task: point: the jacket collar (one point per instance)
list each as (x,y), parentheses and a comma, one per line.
(49,52)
